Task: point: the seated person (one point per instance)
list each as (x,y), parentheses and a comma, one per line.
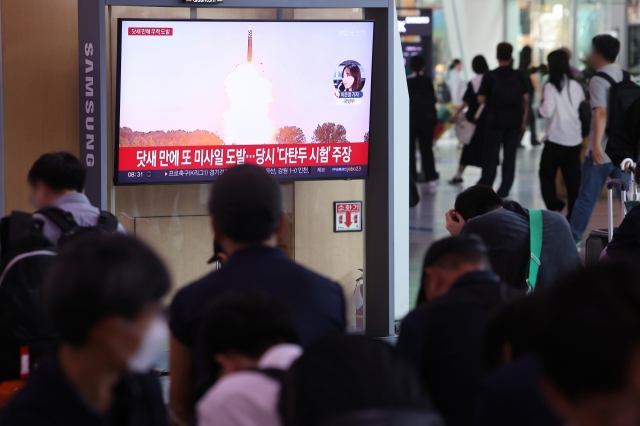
(57,180)
(103,294)
(246,339)
(513,332)
(626,238)
(504,228)
(510,394)
(442,337)
(246,216)
(349,380)
(590,346)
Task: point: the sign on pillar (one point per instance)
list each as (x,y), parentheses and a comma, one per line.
(347,216)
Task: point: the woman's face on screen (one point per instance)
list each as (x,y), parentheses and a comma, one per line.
(347,79)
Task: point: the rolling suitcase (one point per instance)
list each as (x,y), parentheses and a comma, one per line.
(599,238)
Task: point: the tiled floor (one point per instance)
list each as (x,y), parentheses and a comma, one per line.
(427,222)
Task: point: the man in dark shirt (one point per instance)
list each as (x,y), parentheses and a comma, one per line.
(505,93)
(442,337)
(103,294)
(504,228)
(246,215)
(422,120)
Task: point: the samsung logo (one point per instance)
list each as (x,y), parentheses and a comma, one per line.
(89,106)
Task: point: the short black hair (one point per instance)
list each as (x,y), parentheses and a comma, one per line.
(607,46)
(98,276)
(504,51)
(517,324)
(247,323)
(591,329)
(479,65)
(246,202)
(476,201)
(417,63)
(59,171)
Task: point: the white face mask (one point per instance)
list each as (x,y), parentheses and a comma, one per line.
(153,341)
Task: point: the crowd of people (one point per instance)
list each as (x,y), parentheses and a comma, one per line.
(509,327)
(262,340)
(575,105)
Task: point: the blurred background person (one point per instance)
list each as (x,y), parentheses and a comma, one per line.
(533,87)
(246,216)
(563,137)
(248,342)
(590,346)
(354,381)
(104,294)
(472,152)
(442,337)
(456,82)
(422,121)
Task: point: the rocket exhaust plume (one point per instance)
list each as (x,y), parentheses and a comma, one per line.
(247,121)
(250,48)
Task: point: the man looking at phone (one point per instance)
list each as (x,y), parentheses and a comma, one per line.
(504,228)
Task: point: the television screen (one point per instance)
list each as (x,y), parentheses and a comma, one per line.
(195,98)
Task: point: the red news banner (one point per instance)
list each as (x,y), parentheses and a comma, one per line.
(225,156)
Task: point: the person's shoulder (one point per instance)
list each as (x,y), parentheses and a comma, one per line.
(555,218)
(30,406)
(197,287)
(310,276)
(236,387)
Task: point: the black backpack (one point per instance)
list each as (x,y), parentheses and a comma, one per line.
(25,255)
(621,95)
(25,332)
(107,224)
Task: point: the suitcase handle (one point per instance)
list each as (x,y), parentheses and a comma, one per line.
(616,182)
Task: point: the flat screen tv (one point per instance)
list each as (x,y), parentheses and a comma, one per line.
(196,97)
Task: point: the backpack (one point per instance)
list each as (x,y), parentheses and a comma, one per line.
(25,332)
(25,255)
(621,96)
(507,100)
(107,224)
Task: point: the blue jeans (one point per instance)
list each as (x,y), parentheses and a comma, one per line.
(593,179)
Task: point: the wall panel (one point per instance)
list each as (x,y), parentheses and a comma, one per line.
(40,81)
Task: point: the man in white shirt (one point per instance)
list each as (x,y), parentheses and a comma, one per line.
(250,340)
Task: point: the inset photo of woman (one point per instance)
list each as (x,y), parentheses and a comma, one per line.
(349,77)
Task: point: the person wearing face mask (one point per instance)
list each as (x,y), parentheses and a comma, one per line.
(103,294)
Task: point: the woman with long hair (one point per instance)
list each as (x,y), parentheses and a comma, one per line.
(563,138)
(472,153)
(351,78)
(533,87)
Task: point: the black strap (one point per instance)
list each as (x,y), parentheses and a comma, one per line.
(608,77)
(62,219)
(273,373)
